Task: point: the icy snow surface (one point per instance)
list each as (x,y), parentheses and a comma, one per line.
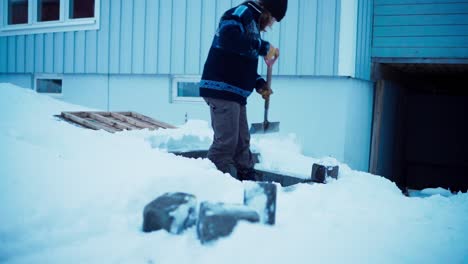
(73,195)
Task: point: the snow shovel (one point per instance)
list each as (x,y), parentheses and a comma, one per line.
(266,126)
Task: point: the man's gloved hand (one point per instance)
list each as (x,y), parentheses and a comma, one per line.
(272,54)
(265,91)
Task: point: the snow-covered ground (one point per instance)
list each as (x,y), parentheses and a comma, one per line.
(72,195)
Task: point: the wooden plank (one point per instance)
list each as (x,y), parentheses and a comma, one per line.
(71,116)
(378,108)
(132,121)
(152,121)
(110,122)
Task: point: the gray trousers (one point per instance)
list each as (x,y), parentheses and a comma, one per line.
(230,151)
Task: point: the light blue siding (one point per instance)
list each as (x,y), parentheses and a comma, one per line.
(103,39)
(208,24)
(364,37)
(173,37)
(164,37)
(11,57)
(114,36)
(151,36)
(126,35)
(29,54)
(178,32)
(193,37)
(420,29)
(288,44)
(80,52)
(69,53)
(3,54)
(306,44)
(49,53)
(39,53)
(138,38)
(20,58)
(58,52)
(325,48)
(91,51)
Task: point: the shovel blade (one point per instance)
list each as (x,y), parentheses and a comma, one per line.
(264,128)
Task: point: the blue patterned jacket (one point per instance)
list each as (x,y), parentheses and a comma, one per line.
(230,70)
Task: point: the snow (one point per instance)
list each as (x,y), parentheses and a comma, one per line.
(73,195)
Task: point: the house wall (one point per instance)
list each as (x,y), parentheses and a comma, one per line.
(129,63)
(330,116)
(173,37)
(420,29)
(364,39)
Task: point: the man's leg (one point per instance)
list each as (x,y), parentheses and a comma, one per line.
(225,123)
(243,156)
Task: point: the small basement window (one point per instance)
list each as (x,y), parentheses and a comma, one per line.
(49,86)
(186,89)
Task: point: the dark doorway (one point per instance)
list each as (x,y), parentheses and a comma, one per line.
(420,136)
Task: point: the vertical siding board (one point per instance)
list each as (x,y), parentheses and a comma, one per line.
(207,30)
(287,64)
(273,35)
(179,15)
(80,52)
(325,31)
(151,36)
(91,51)
(139,29)
(11,54)
(39,53)
(364,37)
(337,29)
(49,53)
(20,54)
(362,52)
(114,40)
(126,32)
(139,36)
(369,15)
(3,54)
(103,38)
(164,37)
(29,54)
(307,41)
(69,52)
(58,52)
(192,46)
(361,46)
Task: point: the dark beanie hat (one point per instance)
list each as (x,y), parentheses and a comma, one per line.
(277,8)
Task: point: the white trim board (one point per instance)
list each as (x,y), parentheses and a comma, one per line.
(61,25)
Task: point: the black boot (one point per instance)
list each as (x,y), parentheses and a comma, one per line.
(248,175)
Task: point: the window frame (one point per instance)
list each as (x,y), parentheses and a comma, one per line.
(175,98)
(43,76)
(36,27)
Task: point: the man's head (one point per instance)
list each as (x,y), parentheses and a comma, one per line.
(277,8)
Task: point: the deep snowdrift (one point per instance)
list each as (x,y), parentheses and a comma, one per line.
(72,195)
